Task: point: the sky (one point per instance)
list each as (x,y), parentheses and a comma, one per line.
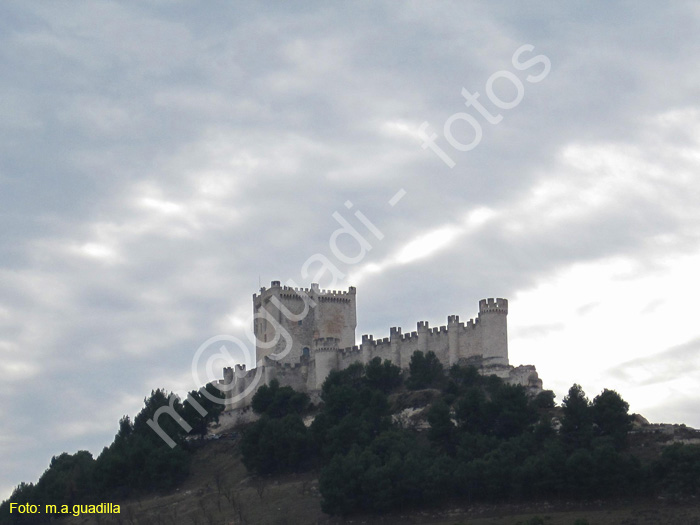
(160,161)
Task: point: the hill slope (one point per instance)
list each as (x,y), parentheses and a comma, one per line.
(220,491)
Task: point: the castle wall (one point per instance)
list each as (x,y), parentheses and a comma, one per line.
(300,376)
(486,336)
(470,340)
(406,346)
(318,328)
(350,355)
(438,342)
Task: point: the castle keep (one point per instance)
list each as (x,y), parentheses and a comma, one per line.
(303,334)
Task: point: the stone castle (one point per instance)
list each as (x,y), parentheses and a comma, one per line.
(304,333)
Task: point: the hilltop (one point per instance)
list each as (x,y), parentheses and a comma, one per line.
(429,446)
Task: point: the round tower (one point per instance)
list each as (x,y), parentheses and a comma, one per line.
(325,357)
(493,325)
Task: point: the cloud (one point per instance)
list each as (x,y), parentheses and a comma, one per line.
(670,365)
(156,161)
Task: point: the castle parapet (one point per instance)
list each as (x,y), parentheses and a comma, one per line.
(314,289)
(493,305)
(409,336)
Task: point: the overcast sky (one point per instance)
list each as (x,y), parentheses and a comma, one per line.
(159,160)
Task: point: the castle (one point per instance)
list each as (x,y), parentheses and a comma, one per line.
(303,333)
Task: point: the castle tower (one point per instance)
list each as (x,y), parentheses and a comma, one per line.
(452,339)
(288,320)
(494,330)
(326,358)
(423,329)
(395,342)
(367,347)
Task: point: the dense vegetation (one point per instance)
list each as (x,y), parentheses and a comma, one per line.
(137,462)
(487,442)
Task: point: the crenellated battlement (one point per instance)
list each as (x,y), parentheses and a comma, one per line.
(493,305)
(470,325)
(293,292)
(350,350)
(327,349)
(371,342)
(408,337)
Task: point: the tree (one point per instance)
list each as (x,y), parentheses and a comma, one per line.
(138,459)
(24,493)
(274,445)
(509,413)
(277,402)
(465,376)
(542,475)
(425,370)
(211,399)
(382,376)
(442,430)
(577,421)
(353,411)
(617,474)
(581,475)
(544,400)
(68,480)
(393,472)
(471,412)
(158,399)
(610,415)
(678,469)
(350,417)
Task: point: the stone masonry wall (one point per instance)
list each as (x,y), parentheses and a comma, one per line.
(321,327)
